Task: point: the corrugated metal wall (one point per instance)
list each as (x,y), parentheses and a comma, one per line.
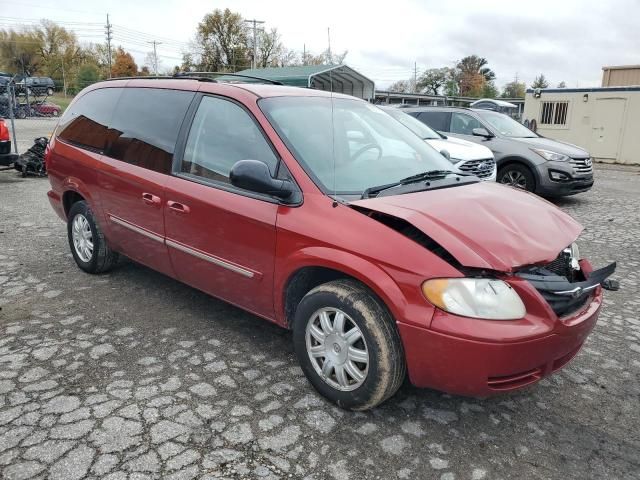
(621,77)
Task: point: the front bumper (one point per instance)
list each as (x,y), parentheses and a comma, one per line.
(573,181)
(464,365)
(8,159)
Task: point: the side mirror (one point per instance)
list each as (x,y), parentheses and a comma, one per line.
(445,154)
(254,175)
(481,132)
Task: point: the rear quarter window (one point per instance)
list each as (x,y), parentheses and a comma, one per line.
(86,123)
(436,120)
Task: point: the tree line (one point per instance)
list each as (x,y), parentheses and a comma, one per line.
(222,42)
(471,77)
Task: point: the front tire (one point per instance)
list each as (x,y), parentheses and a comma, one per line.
(88,245)
(348,345)
(518,176)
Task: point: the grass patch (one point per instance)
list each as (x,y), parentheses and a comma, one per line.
(58,99)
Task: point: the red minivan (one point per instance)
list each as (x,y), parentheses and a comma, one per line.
(325,215)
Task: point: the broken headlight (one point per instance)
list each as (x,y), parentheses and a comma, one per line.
(485,298)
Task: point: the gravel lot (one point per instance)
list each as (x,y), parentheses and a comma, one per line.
(134,375)
(29,128)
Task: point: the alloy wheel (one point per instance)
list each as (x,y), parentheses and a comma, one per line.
(514,178)
(82,237)
(337,349)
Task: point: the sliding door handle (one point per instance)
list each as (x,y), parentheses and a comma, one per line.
(178,207)
(151,199)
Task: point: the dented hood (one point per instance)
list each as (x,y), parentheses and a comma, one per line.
(485,225)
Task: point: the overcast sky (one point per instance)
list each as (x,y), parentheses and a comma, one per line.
(566,40)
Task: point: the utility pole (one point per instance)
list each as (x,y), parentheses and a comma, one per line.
(415,77)
(155,57)
(107,29)
(64,81)
(255,23)
(329,56)
(304,54)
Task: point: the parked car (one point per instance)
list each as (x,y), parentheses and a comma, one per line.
(47,109)
(6,157)
(468,157)
(36,86)
(4,82)
(497,105)
(378,258)
(525,159)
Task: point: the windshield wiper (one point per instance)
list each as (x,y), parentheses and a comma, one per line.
(418,177)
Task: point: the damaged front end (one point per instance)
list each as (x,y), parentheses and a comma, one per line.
(568,283)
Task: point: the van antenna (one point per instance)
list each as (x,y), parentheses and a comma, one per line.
(333,140)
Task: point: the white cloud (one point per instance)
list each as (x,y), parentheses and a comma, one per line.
(568,40)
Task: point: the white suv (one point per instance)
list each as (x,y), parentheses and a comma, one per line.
(467,156)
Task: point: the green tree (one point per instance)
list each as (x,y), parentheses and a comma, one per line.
(20,51)
(59,50)
(540,82)
(222,41)
(562,85)
(86,75)
(472,75)
(514,89)
(489,90)
(432,80)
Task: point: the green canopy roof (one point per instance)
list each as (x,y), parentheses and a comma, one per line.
(344,78)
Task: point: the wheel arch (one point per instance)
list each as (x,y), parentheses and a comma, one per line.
(519,161)
(314,266)
(74,190)
(70,197)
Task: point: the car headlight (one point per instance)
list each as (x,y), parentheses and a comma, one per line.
(485,298)
(551,156)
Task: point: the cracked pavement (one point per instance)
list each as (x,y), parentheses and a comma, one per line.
(134,375)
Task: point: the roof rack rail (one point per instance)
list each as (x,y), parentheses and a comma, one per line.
(203,75)
(198,76)
(161,77)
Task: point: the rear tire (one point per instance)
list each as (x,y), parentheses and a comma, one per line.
(357,371)
(88,245)
(518,176)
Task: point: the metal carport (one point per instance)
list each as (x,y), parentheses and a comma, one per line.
(344,78)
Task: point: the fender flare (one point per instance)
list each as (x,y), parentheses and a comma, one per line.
(374,277)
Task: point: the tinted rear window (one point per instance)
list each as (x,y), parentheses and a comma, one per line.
(436,120)
(86,123)
(145,126)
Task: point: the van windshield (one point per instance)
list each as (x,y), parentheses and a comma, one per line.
(346,145)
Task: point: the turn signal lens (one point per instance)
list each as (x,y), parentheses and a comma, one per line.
(483,298)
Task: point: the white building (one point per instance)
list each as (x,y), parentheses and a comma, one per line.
(605,120)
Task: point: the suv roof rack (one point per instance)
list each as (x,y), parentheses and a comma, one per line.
(198,76)
(156,77)
(208,76)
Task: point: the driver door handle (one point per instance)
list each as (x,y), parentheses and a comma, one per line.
(178,207)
